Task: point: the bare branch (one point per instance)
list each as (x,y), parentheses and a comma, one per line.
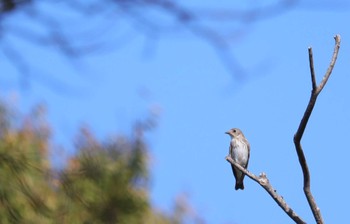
(299,134)
(105,26)
(312,69)
(331,65)
(265,183)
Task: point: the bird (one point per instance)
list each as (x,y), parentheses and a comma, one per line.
(240,152)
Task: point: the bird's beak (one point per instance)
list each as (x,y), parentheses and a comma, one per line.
(227,132)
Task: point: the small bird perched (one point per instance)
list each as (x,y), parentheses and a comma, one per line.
(239,152)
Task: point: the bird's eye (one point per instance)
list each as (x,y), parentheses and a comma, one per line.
(234,130)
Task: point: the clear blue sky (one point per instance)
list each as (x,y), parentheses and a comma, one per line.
(200,100)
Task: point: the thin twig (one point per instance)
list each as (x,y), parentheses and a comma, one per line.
(331,65)
(299,134)
(312,70)
(265,183)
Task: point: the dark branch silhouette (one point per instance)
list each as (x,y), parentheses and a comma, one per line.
(120,22)
(299,134)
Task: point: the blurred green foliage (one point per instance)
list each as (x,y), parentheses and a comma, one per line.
(104,182)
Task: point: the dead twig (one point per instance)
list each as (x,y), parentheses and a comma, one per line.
(299,134)
(265,183)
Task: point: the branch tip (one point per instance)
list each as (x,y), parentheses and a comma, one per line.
(337,38)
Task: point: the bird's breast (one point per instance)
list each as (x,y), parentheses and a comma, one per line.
(239,152)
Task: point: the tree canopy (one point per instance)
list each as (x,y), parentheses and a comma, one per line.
(104,182)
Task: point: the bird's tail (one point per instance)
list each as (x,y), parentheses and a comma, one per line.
(239,185)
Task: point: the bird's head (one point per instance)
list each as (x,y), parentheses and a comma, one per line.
(234,132)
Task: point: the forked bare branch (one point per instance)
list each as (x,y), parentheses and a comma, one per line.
(262,178)
(299,134)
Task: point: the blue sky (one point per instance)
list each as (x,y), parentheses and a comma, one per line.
(200,99)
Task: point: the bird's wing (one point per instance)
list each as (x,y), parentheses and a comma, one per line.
(248,146)
(234,169)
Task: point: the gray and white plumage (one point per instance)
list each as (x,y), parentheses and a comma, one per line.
(240,152)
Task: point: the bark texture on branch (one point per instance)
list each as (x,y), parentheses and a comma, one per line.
(265,183)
